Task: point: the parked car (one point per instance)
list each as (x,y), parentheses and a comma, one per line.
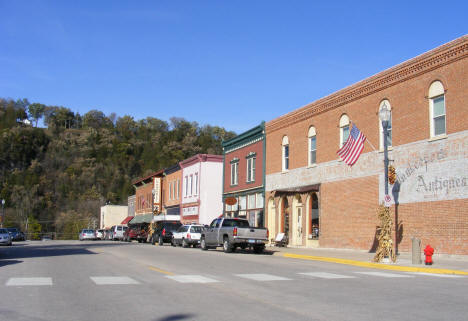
(5,237)
(108,234)
(232,233)
(117,232)
(163,231)
(99,234)
(136,232)
(16,235)
(86,234)
(187,235)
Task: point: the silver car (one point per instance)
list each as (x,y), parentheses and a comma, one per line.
(5,237)
(87,234)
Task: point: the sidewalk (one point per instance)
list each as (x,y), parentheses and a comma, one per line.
(444,264)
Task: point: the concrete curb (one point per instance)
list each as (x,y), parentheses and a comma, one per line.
(373,265)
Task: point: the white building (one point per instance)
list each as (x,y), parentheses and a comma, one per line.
(202,187)
(112,215)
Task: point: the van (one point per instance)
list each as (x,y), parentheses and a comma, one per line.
(117,232)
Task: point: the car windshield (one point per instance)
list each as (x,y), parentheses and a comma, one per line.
(196,229)
(12,229)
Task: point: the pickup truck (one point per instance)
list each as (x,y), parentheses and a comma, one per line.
(231,233)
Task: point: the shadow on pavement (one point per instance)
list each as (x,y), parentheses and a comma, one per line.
(9,262)
(176,317)
(50,248)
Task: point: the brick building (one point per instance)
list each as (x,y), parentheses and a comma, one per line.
(148,197)
(320,201)
(172,191)
(244,176)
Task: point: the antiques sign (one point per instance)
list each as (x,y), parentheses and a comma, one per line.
(438,173)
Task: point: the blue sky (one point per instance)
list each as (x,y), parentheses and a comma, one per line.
(226,63)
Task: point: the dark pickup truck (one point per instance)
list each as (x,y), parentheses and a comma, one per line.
(231,233)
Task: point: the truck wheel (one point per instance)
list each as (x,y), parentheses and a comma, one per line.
(160,241)
(203,244)
(259,249)
(173,242)
(184,243)
(227,247)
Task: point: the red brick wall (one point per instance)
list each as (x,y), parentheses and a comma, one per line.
(348,213)
(241,154)
(410,118)
(172,178)
(143,192)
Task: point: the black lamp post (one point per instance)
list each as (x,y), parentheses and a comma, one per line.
(384,115)
(3,211)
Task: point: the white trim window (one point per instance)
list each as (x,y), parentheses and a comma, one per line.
(251,169)
(285,154)
(437,109)
(344,129)
(312,146)
(196,183)
(186,186)
(170,191)
(178,188)
(191,185)
(234,173)
(389,128)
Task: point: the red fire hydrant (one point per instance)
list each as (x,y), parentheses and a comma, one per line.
(428,252)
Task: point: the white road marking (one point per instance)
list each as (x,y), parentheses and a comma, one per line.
(386,275)
(113,280)
(191,279)
(28,281)
(325,275)
(437,275)
(263,277)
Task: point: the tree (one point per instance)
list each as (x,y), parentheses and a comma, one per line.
(36,111)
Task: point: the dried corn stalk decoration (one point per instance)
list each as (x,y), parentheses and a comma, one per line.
(391,175)
(385,248)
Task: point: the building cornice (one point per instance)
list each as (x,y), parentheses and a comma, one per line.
(433,59)
(201,158)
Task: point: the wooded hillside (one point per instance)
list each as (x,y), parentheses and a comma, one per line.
(55,179)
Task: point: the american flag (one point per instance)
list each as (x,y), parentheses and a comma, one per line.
(353,147)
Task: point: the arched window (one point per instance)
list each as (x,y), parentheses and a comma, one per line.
(437,109)
(344,129)
(312,146)
(285,153)
(389,128)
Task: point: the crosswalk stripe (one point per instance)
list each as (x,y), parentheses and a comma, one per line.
(437,275)
(386,275)
(113,280)
(326,275)
(262,277)
(191,278)
(28,281)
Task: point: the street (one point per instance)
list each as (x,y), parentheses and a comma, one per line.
(96,280)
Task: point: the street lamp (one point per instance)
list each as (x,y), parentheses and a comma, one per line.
(3,212)
(384,115)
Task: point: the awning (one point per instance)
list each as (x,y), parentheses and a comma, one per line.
(126,220)
(145,218)
(299,189)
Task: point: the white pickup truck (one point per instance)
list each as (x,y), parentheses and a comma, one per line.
(231,233)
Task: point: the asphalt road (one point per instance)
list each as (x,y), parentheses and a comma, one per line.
(89,280)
